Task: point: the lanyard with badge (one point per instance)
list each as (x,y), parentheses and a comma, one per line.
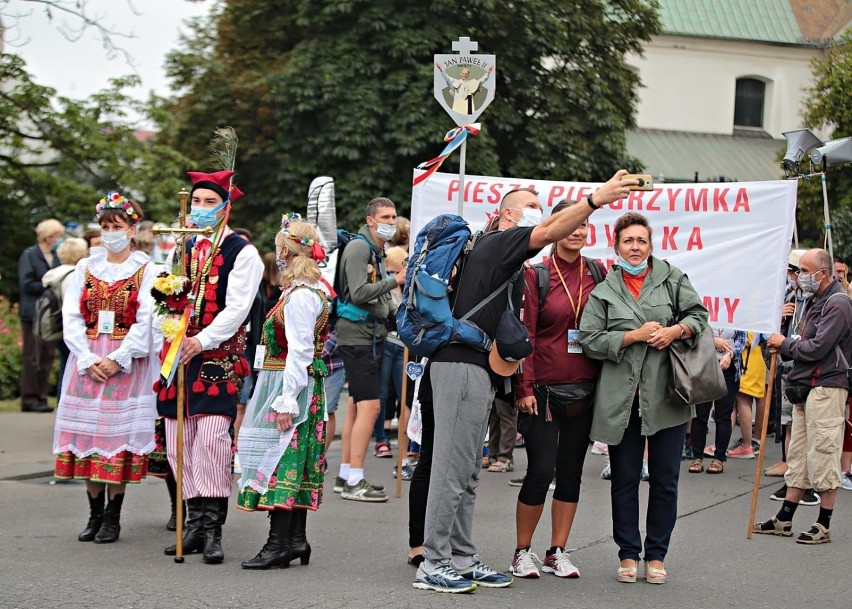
(573,333)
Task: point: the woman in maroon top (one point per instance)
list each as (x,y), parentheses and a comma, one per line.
(556,437)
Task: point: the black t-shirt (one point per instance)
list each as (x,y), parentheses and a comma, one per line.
(495,258)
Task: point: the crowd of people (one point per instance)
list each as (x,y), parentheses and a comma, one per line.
(265,346)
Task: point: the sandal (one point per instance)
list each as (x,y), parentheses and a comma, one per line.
(696,467)
(501,467)
(815,535)
(383,450)
(627,575)
(654,575)
(715,467)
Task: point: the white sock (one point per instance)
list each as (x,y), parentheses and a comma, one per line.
(355,476)
(344,471)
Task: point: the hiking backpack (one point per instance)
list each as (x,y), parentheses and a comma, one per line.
(542,277)
(47,321)
(425,320)
(341,306)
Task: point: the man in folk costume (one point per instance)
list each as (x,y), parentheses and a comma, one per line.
(224,270)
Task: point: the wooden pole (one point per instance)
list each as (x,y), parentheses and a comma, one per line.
(402,429)
(763,424)
(181,381)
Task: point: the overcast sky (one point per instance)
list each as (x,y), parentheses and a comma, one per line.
(77,69)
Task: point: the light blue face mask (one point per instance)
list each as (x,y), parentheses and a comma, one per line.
(203,217)
(633,270)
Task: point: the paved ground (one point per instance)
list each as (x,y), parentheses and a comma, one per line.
(359,549)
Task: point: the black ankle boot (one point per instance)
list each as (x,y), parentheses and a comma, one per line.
(171,484)
(193,535)
(215,511)
(111,527)
(276,551)
(96,516)
(299,546)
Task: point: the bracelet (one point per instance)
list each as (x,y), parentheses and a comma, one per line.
(592,203)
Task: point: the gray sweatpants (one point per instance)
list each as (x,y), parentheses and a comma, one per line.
(462,397)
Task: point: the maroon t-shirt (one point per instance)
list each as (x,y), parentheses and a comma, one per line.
(550,362)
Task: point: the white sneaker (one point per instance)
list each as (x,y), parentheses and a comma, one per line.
(523,564)
(599,448)
(846,484)
(559,563)
(606,474)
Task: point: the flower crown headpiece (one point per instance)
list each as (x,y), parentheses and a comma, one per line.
(114,200)
(317,251)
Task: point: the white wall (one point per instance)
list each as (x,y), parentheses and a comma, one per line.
(690,83)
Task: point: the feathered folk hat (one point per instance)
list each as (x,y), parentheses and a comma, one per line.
(219,182)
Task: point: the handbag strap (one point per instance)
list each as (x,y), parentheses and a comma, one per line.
(677,311)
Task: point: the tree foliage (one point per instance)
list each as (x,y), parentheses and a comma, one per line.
(828,106)
(344,88)
(58,156)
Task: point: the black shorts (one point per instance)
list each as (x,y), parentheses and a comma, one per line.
(362,369)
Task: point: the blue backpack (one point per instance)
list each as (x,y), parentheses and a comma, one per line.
(341,306)
(425,320)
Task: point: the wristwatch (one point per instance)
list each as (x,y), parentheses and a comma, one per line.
(591,203)
(682,332)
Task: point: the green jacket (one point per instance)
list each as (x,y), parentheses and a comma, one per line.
(610,313)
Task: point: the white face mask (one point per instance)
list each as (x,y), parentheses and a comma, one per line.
(115,242)
(531,217)
(385,231)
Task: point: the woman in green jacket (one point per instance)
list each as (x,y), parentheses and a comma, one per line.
(628,323)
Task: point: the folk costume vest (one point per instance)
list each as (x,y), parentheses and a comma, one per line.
(214,377)
(121,297)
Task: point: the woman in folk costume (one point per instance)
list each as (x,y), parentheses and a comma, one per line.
(105,420)
(282,441)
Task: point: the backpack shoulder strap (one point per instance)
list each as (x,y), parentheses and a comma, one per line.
(542,281)
(594,269)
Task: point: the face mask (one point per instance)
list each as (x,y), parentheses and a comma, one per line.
(115,242)
(385,231)
(56,245)
(282,265)
(205,218)
(808,283)
(633,270)
(531,217)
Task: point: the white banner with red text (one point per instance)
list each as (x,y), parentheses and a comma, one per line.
(731,238)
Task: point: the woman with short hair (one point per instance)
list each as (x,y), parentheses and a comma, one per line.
(629,324)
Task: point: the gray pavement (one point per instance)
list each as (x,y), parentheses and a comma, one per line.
(359,549)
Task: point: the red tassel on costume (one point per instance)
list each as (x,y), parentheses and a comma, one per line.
(240,368)
(214,271)
(157,384)
(207,319)
(230,388)
(163,395)
(211,307)
(213,391)
(198,386)
(219,260)
(172,392)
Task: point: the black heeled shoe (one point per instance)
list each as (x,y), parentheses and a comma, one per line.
(299,546)
(276,550)
(96,517)
(111,525)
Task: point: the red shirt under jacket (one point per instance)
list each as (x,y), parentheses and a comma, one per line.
(550,363)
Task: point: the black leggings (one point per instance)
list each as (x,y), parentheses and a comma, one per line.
(418,491)
(560,444)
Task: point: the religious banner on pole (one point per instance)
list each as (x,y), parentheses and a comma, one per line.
(732,239)
(464,82)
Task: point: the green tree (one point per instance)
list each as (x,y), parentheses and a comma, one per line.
(828,106)
(344,88)
(58,156)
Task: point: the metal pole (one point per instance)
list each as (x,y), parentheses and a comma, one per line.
(462,158)
(402,429)
(827,219)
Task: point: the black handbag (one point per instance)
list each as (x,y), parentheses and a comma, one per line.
(797,393)
(571,399)
(696,375)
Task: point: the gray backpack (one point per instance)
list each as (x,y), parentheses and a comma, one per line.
(47,321)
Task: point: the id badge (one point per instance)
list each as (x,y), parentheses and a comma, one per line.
(574,341)
(259,356)
(106,322)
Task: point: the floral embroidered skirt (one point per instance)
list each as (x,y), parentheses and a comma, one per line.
(297,481)
(104,431)
(123,467)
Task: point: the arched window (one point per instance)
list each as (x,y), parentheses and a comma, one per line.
(748,103)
